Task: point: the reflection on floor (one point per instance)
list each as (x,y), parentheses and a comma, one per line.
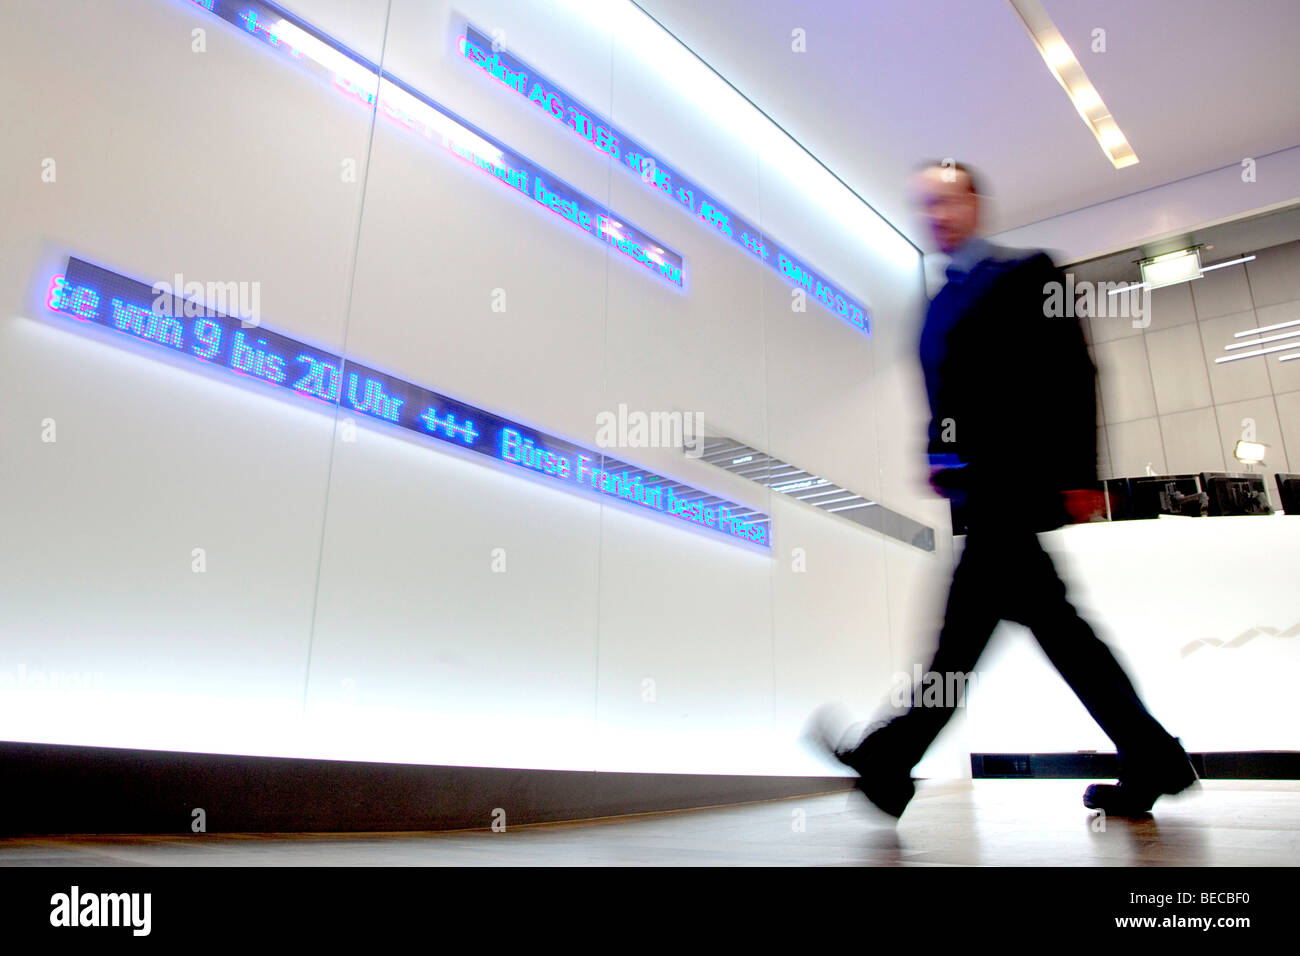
(950,823)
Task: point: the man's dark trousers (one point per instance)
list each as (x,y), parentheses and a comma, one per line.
(1004,574)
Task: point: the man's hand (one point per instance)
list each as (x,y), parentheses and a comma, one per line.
(940,491)
(943,470)
(1084,504)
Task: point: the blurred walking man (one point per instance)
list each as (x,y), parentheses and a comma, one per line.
(1011,390)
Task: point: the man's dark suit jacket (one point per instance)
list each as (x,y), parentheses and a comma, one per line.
(1012,395)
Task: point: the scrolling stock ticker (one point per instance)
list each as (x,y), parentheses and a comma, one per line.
(188,328)
(516,75)
(365,83)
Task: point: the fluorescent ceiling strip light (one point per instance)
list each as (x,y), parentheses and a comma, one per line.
(1147,285)
(861,504)
(1267,328)
(1230,262)
(834,490)
(835,501)
(1271,348)
(1268,338)
(820,499)
(1204,269)
(785,489)
(1064,65)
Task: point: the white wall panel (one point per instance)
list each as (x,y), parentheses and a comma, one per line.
(350,607)
(1135,447)
(1171,306)
(1191,442)
(1221,292)
(1178,376)
(1235,380)
(222,166)
(1273,275)
(1125,379)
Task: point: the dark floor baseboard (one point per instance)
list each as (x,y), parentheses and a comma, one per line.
(1224,765)
(49,789)
(57,789)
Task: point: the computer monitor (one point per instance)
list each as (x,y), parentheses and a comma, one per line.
(1119,499)
(1155,495)
(1288,491)
(1236,494)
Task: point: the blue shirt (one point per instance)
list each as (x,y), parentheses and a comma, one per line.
(967,256)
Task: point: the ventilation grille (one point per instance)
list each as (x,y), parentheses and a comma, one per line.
(783,478)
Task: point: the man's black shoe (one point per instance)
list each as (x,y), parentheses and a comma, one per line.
(1140,787)
(888,792)
(882,780)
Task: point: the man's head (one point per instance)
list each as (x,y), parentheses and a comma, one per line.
(948,197)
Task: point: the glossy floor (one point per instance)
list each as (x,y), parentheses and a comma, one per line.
(955,823)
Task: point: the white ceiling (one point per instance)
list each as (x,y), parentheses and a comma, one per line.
(1195,85)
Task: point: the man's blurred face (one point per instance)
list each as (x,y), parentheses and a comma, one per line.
(947,205)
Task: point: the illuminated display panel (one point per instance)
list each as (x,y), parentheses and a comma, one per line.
(567,110)
(363,81)
(184,327)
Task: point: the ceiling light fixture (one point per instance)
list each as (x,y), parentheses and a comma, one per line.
(1171,268)
(1174,267)
(1267,328)
(1064,65)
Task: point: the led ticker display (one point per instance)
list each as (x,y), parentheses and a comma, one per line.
(363,81)
(580,120)
(189,329)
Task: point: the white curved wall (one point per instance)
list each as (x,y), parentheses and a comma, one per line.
(349,607)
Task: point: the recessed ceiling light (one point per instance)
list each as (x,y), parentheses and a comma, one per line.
(1065,66)
(1087,99)
(1110,135)
(1057,53)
